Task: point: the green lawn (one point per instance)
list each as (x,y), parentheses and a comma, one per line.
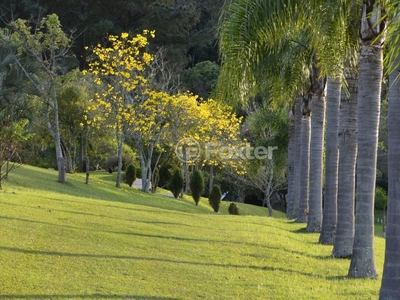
(77,241)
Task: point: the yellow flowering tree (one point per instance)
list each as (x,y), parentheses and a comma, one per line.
(222,131)
(203,128)
(149,121)
(119,68)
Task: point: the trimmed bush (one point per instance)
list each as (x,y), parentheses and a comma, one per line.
(233,209)
(197,185)
(215,197)
(130,175)
(176,183)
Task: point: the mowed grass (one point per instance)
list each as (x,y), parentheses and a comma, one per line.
(77,241)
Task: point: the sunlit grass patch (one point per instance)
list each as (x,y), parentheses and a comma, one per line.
(77,241)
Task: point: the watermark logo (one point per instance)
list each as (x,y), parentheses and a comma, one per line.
(189,150)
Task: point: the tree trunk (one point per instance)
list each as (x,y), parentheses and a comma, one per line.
(391,279)
(331,161)
(55,132)
(291,168)
(146,174)
(211,179)
(145,164)
(344,237)
(370,78)
(314,220)
(120,142)
(304,167)
(87,164)
(186,173)
(296,197)
(81,153)
(267,201)
(67,155)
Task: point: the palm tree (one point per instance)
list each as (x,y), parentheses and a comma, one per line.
(390,278)
(314,220)
(292,213)
(344,236)
(370,79)
(251,49)
(304,165)
(332,161)
(291,162)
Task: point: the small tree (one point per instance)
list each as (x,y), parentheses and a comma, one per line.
(196,185)
(233,209)
(130,175)
(176,183)
(215,197)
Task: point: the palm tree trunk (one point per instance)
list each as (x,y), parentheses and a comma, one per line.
(304,166)
(344,237)
(331,161)
(292,213)
(291,169)
(391,279)
(370,78)
(314,221)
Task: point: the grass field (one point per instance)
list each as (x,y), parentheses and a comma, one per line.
(77,241)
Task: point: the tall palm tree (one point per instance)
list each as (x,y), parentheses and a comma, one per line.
(249,45)
(370,79)
(314,220)
(331,161)
(293,208)
(344,236)
(291,163)
(390,278)
(304,166)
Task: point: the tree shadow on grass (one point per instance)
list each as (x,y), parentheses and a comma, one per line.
(300,230)
(141,258)
(94,296)
(132,233)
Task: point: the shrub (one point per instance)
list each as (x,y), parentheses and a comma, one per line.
(380,198)
(130,175)
(233,209)
(196,185)
(215,197)
(176,183)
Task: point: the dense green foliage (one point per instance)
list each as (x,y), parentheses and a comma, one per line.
(130,175)
(233,209)
(381,198)
(196,185)
(215,197)
(185,28)
(176,183)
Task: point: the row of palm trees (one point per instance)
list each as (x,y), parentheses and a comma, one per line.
(323,53)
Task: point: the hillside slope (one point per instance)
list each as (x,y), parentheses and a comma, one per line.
(77,241)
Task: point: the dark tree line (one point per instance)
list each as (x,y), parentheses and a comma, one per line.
(186,28)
